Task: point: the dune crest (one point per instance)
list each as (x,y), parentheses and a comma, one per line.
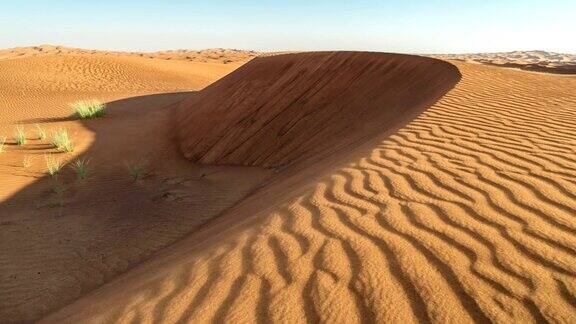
(211,55)
(277,110)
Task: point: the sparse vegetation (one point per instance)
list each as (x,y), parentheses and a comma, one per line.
(136,169)
(20,135)
(2,142)
(81,168)
(41,132)
(26,162)
(61,140)
(53,166)
(86,109)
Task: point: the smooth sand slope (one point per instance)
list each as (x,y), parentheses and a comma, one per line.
(465,214)
(61,239)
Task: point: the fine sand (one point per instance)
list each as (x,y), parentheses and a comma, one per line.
(349,187)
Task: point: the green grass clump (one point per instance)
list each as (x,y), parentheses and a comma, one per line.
(2,142)
(61,140)
(41,132)
(20,135)
(81,168)
(53,166)
(136,169)
(87,109)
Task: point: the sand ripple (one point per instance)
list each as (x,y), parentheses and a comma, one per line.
(467,214)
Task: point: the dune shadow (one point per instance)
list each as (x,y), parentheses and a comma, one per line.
(62,236)
(72,117)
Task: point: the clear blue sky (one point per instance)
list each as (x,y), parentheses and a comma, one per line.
(418,26)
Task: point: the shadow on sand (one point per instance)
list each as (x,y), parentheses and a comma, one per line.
(61,237)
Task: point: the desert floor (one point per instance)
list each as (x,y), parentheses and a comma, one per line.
(335,187)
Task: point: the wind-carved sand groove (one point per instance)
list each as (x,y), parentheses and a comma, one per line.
(466,214)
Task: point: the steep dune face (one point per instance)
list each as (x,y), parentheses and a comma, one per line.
(278,110)
(464,215)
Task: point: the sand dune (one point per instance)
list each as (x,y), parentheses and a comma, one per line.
(38,86)
(538,61)
(283,109)
(465,214)
(215,55)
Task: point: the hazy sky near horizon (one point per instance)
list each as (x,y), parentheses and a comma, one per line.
(418,26)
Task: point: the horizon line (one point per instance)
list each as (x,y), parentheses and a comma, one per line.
(277,51)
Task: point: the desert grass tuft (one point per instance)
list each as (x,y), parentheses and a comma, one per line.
(80,166)
(53,166)
(26,162)
(20,135)
(2,142)
(61,141)
(86,109)
(136,169)
(41,132)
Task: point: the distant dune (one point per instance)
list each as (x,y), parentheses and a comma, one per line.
(538,61)
(340,187)
(215,55)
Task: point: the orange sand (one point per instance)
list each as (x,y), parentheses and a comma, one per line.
(463,213)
